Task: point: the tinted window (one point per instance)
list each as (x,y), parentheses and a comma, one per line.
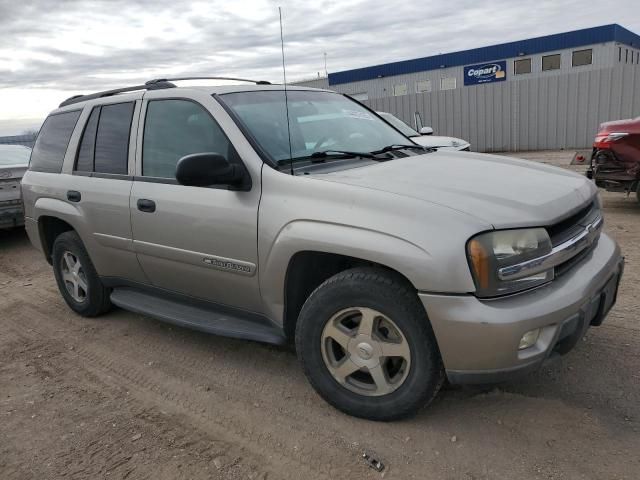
(53,139)
(175,128)
(87,144)
(551,62)
(522,66)
(581,57)
(112,139)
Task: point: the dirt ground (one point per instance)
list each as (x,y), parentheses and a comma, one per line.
(125,396)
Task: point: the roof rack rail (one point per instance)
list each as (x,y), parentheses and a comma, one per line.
(177,79)
(154,85)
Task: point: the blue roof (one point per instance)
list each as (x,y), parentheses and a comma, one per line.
(531,46)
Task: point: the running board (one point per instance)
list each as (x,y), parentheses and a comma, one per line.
(218,320)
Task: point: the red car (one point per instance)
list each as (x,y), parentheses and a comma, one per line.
(615,161)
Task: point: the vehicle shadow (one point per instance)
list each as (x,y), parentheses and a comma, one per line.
(13,237)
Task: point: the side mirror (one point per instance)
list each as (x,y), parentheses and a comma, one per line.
(205,169)
(426,131)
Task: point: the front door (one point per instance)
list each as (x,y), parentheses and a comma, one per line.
(197,241)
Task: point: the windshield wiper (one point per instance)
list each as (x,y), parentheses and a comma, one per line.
(343,153)
(323,155)
(390,148)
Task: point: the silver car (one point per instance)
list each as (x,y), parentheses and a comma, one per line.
(14,160)
(300,216)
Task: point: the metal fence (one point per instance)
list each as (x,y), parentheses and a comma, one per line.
(554,112)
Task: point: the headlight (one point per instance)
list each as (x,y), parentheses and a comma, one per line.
(491,251)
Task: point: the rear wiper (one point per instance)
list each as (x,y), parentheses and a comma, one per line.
(390,148)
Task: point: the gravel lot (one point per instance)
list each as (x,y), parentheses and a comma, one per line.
(126,396)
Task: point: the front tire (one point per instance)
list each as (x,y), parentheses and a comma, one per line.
(367,347)
(77,278)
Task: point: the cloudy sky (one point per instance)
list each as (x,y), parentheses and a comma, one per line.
(52,49)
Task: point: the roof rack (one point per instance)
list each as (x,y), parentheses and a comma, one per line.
(156,84)
(177,79)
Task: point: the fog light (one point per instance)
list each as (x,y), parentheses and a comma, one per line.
(529,339)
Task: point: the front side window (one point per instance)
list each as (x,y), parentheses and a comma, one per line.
(522,66)
(104,147)
(582,57)
(319,121)
(174,129)
(53,140)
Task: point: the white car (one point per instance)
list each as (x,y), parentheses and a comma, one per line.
(425,137)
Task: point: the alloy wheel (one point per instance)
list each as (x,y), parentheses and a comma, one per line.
(365,351)
(74,277)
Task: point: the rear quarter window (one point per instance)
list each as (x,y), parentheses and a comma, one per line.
(53,140)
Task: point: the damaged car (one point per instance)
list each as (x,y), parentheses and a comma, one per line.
(615,158)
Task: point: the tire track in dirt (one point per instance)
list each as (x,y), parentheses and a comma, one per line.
(206,407)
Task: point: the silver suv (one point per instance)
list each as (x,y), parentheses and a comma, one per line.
(276,216)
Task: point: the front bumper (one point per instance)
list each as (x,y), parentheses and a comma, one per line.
(478,339)
(11,214)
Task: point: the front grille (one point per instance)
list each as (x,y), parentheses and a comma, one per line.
(573,225)
(569,228)
(569,264)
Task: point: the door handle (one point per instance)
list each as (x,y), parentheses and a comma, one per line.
(74,196)
(145,205)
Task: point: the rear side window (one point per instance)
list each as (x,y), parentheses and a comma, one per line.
(175,128)
(104,147)
(88,143)
(53,140)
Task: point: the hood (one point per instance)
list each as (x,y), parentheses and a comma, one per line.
(631,125)
(436,141)
(501,191)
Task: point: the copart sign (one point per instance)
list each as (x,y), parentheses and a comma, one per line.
(485,73)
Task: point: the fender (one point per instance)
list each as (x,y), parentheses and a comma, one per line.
(47,206)
(405,257)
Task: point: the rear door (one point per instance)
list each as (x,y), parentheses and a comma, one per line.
(197,241)
(101,186)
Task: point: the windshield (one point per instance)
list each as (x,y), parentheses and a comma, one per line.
(399,124)
(14,155)
(319,121)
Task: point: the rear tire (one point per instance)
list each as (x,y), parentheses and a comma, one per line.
(77,278)
(388,374)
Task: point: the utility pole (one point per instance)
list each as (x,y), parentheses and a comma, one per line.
(326,73)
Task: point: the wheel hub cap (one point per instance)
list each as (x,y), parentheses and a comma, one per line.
(73,277)
(365,351)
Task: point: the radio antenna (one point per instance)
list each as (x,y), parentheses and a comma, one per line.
(286,99)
